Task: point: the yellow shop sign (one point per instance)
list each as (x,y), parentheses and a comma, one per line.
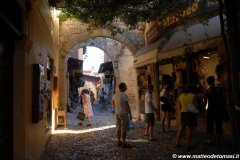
(169,20)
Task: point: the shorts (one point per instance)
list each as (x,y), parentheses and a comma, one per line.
(166,108)
(122,122)
(150,118)
(188,119)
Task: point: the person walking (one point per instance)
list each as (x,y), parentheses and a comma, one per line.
(215,109)
(102,98)
(166,107)
(87,106)
(123,114)
(187,119)
(149,111)
(92,96)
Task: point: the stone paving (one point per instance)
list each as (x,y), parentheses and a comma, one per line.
(99,143)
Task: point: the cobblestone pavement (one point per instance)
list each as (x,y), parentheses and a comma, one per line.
(99,142)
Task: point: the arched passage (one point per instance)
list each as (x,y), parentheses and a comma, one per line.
(111,47)
(73,36)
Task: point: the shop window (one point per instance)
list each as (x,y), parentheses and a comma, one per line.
(48,110)
(37,93)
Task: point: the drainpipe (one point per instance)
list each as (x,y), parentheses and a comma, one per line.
(188,63)
(155,83)
(137,99)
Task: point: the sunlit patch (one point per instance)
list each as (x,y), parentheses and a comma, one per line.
(83,131)
(134,140)
(137,140)
(57,12)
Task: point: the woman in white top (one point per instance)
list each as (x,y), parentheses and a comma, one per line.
(149,112)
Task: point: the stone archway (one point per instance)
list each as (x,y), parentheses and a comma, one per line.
(73,32)
(116,52)
(111,47)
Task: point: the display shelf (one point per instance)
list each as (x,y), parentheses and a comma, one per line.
(61,118)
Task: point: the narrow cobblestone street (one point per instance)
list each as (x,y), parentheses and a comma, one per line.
(99,142)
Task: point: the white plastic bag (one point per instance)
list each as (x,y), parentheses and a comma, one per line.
(192,108)
(130,125)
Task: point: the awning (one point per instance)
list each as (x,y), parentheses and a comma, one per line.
(91,78)
(147,55)
(107,66)
(75,63)
(197,37)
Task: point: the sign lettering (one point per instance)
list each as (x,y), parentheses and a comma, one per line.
(155,31)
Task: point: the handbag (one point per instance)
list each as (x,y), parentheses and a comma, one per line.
(81,115)
(192,108)
(164,99)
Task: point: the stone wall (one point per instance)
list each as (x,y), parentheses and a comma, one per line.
(128,75)
(73,32)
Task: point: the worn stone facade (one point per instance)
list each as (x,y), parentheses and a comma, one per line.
(127,74)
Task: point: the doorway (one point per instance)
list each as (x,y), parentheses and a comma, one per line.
(6,97)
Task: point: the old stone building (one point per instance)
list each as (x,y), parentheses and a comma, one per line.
(177,55)
(29,38)
(35,48)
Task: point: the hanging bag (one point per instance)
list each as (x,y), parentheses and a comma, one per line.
(191,107)
(130,125)
(81,116)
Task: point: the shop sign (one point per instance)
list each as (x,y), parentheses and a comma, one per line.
(169,20)
(156,30)
(153,33)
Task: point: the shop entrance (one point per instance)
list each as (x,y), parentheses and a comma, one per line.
(203,64)
(6,97)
